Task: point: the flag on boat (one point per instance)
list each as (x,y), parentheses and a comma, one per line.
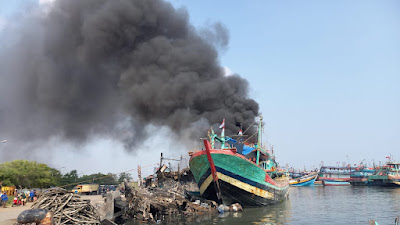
(222,126)
(240,132)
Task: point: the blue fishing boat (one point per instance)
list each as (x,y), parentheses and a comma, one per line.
(305,180)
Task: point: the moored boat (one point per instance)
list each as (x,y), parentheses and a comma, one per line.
(305,180)
(388,175)
(231,175)
(335,176)
(360,176)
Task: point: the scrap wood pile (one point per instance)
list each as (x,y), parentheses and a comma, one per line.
(67,207)
(153,204)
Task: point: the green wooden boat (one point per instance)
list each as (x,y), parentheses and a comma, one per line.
(237,173)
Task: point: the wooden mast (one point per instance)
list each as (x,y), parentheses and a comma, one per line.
(213,170)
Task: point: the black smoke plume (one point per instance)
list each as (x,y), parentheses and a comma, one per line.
(110,67)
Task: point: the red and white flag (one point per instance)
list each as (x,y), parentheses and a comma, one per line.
(222,126)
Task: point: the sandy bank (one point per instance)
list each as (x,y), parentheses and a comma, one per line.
(8,216)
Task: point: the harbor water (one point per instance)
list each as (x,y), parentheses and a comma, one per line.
(314,205)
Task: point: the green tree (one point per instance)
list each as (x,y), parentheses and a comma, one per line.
(123,176)
(100,178)
(28,174)
(110,179)
(69,179)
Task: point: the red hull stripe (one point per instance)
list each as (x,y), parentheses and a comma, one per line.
(210,160)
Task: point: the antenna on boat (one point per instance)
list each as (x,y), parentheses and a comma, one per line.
(260,133)
(259,140)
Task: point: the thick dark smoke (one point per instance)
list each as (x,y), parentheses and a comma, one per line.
(110,67)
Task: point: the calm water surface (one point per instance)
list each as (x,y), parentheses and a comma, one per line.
(315,205)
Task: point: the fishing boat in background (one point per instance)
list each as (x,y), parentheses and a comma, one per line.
(388,175)
(360,176)
(238,172)
(335,176)
(306,179)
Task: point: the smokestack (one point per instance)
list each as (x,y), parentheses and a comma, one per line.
(111,67)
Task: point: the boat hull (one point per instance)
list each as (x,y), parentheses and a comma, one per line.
(307,180)
(318,183)
(385,181)
(359,182)
(335,183)
(240,180)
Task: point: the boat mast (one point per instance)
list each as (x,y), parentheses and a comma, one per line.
(259,140)
(223,134)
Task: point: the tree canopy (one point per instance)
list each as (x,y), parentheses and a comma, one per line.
(27,174)
(30,174)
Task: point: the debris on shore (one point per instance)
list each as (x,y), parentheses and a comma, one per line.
(66,207)
(174,196)
(151,204)
(172,193)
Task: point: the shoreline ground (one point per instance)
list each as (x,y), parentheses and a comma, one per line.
(8,216)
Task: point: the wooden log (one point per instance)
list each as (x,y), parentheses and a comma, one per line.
(38,216)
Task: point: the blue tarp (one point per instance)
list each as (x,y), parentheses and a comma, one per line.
(241,148)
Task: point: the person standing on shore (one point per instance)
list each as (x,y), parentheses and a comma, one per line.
(31,195)
(34,195)
(23,198)
(1,199)
(4,199)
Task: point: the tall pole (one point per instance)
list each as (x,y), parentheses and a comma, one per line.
(179,171)
(139,169)
(259,141)
(161,160)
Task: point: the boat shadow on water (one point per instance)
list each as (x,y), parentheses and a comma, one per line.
(273,214)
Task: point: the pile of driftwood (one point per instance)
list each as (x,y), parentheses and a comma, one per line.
(67,207)
(155,203)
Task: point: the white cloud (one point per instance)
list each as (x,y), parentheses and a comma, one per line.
(45,5)
(46,2)
(227,71)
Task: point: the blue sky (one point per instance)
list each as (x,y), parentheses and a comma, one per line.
(325,73)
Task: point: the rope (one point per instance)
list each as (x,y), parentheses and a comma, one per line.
(250,137)
(249,127)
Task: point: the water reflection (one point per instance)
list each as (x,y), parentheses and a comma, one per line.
(313,205)
(275,214)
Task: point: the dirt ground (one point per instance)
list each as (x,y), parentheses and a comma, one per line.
(8,216)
